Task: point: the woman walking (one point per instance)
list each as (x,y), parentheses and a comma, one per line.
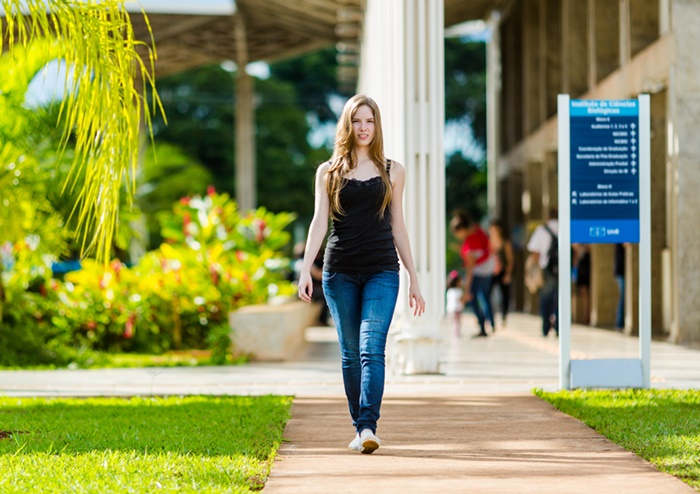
(502,249)
(362,192)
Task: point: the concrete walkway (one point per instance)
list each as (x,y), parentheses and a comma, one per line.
(514,360)
(446,444)
(477,428)
(473,428)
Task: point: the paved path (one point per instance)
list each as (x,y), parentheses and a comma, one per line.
(469,444)
(514,360)
(473,428)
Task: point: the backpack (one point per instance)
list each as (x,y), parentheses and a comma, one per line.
(553,253)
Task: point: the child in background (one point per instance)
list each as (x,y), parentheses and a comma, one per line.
(455,306)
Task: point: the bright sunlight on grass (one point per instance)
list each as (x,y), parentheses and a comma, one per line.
(661,426)
(175,444)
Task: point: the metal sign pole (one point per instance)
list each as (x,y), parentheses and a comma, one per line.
(564,163)
(645,239)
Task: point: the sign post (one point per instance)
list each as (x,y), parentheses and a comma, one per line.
(604,197)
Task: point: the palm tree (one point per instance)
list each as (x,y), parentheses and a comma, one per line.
(104,99)
(102,110)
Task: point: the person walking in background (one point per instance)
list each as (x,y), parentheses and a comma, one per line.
(479,265)
(581,276)
(543,246)
(454,303)
(619,271)
(502,250)
(362,192)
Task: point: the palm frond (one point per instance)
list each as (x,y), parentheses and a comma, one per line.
(104,98)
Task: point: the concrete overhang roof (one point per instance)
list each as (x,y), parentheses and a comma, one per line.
(276,29)
(191,33)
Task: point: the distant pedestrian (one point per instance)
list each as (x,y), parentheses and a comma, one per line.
(502,250)
(543,246)
(478,264)
(581,277)
(619,271)
(454,303)
(362,192)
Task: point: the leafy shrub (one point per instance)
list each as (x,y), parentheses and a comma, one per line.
(178,296)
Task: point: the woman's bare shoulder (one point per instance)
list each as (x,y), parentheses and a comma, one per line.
(323,167)
(397,167)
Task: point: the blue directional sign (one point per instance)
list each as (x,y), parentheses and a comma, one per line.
(604,145)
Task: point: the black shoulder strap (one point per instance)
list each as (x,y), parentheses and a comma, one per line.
(549,230)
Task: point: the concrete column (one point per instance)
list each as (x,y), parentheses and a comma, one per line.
(658,210)
(644,23)
(664,16)
(246,186)
(553,56)
(591,42)
(542,58)
(534,188)
(684,95)
(574,47)
(534,214)
(511,109)
(625,51)
(607,37)
(603,291)
(532,57)
(550,179)
(515,222)
(493,96)
(406,39)
(632,290)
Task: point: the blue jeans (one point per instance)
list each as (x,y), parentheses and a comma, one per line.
(481,304)
(362,306)
(620,313)
(549,303)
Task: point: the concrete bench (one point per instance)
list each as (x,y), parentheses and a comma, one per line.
(271,332)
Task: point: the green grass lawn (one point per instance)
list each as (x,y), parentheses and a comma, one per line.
(661,426)
(175,444)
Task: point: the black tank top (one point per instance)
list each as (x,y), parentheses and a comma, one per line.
(361,241)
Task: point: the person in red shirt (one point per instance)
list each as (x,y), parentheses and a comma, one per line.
(479,265)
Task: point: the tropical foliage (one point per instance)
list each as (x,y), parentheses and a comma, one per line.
(101,109)
(214,260)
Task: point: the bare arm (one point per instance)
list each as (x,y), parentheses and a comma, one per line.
(317,232)
(398,227)
(469,263)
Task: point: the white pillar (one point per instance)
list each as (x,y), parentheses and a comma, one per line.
(493,90)
(245,123)
(402,68)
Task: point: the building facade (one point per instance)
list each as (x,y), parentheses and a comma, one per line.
(603,49)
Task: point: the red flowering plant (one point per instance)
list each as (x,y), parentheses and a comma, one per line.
(106,307)
(35,325)
(213,261)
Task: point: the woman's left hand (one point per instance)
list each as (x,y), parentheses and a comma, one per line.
(415,300)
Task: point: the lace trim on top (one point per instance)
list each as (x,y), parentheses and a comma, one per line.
(369,181)
(363,183)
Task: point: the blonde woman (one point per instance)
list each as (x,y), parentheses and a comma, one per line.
(362,192)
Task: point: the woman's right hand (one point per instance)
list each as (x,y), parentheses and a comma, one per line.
(305,287)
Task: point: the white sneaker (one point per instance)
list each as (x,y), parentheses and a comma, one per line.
(356,443)
(369,442)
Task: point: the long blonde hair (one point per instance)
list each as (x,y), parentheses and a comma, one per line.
(344,159)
